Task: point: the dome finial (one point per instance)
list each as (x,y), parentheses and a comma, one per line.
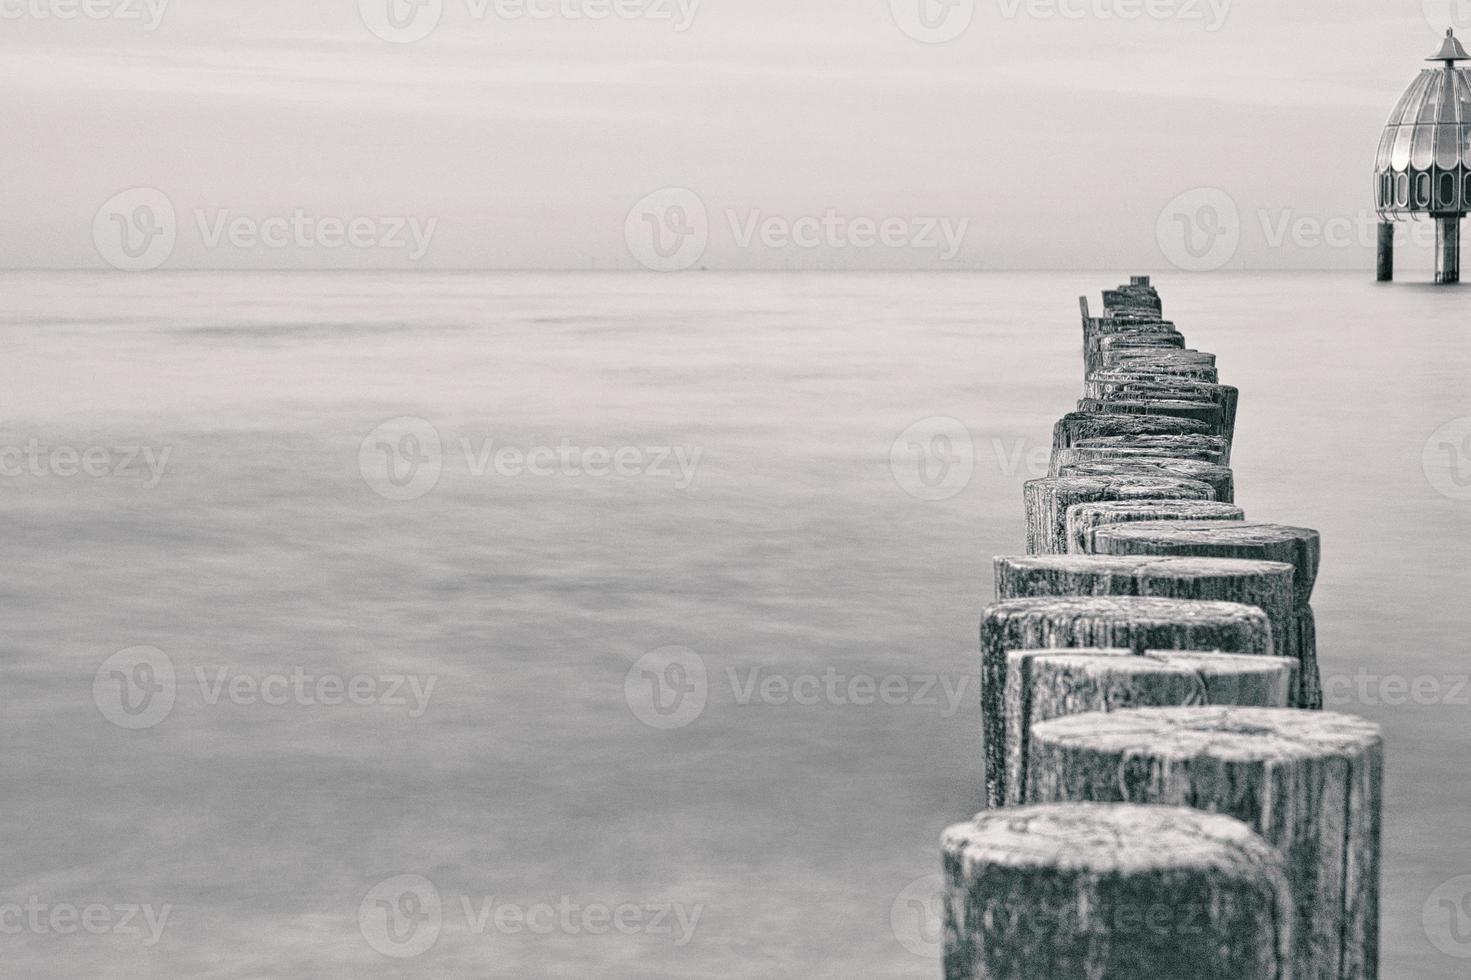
(1450,50)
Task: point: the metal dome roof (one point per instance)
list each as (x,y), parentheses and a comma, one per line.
(1424,159)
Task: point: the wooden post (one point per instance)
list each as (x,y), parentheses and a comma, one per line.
(1298,546)
(1219,477)
(1201,411)
(1448,249)
(1386,251)
(1119,384)
(1047,501)
(1115,891)
(1133,623)
(1046,684)
(1083,518)
(1309,782)
(1267,585)
(1076,426)
(1214,448)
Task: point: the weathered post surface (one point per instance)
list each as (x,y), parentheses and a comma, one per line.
(1174,363)
(1047,501)
(1046,684)
(1219,477)
(1083,518)
(1064,457)
(1108,385)
(1202,411)
(1266,585)
(1309,782)
(1112,891)
(1130,622)
(1075,427)
(1214,448)
(1259,540)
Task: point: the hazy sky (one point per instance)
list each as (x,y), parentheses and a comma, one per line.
(776,133)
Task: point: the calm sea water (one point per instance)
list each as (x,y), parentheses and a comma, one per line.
(793,835)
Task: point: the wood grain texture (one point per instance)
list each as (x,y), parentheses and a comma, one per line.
(1046,684)
(1221,478)
(1129,622)
(1046,501)
(1112,385)
(1309,782)
(1201,411)
(1112,892)
(1064,457)
(1218,448)
(1258,540)
(1077,426)
(1083,518)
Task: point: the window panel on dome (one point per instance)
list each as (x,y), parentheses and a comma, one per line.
(1399,157)
(1408,102)
(1422,150)
(1447,146)
(1446,186)
(1422,191)
(1434,96)
(1386,143)
(1401,190)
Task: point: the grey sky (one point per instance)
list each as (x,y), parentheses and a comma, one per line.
(1048,134)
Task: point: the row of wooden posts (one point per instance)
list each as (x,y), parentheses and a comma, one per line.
(1166,798)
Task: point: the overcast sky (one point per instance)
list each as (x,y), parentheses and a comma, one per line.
(771,133)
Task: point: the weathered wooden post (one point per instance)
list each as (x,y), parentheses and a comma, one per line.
(1267,585)
(1083,518)
(1298,546)
(1046,684)
(1212,449)
(1202,411)
(1113,891)
(1077,426)
(1386,251)
(1220,478)
(1047,501)
(1132,623)
(1309,782)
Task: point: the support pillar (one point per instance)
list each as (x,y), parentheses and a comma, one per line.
(1386,251)
(1448,249)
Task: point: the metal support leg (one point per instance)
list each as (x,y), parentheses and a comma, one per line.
(1386,251)
(1448,249)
